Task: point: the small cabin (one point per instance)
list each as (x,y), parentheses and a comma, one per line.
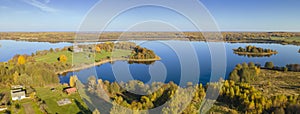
(17,93)
(70,90)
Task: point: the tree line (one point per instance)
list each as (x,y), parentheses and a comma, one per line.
(92,36)
(240,97)
(247,99)
(19,71)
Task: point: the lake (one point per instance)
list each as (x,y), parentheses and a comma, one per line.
(9,48)
(169,68)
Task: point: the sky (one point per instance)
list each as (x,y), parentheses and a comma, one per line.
(229,15)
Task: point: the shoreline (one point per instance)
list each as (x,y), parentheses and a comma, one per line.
(248,53)
(157,58)
(282,42)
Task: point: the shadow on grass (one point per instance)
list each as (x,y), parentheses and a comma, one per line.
(83,110)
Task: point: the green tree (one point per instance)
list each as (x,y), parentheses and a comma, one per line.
(251,65)
(245,75)
(269,65)
(245,65)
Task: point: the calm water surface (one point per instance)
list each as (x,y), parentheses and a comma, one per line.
(168,69)
(10,48)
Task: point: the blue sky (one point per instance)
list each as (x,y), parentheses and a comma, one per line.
(230,15)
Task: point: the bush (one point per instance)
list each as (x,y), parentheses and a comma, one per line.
(269,65)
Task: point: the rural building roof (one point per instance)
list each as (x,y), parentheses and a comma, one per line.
(17,93)
(70,90)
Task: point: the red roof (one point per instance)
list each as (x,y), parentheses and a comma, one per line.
(71,90)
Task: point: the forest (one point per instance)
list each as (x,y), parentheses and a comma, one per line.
(264,37)
(237,97)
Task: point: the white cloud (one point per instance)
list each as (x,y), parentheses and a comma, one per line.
(41,5)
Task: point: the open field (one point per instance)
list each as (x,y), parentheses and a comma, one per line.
(30,106)
(27,106)
(291,39)
(81,57)
(272,82)
(51,98)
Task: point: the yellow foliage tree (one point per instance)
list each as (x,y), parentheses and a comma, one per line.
(21,60)
(257,70)
(251,105)
(63,58)
(73,80)
(98,50)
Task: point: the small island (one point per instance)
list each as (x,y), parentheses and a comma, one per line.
(254,51)
(299,51)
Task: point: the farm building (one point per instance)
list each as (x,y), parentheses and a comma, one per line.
(70,90)
(17,93)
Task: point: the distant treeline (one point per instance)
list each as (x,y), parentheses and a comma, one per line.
(192,36)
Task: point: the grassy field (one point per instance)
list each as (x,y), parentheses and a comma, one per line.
(30,106)
(81,57)
(27,106)
(220,108)
(272,82)
(51,98)
(292,39)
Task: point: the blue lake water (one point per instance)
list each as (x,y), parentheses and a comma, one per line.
(169,68)
(10,48)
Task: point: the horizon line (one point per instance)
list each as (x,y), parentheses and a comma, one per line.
(148,31)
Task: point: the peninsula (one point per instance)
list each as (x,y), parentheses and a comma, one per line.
(80,57)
